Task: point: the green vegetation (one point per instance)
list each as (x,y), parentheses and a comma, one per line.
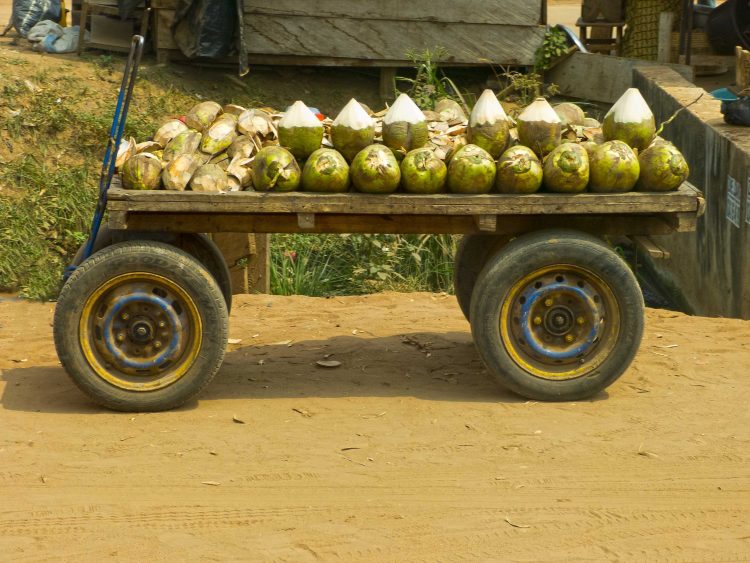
(555,45)
(430,83)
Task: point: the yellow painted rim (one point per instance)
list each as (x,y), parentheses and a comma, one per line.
(170,377)
(604,348)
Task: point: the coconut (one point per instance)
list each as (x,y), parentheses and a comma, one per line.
(300,131)
(566,169)
(240,168)
(613,168)
(178,172)
(168,131)
(275,170)
(125,151)
(591,123)
(422,172)
(663,168)
(233,183)
(352,130)
(209,178)
(233,109)
(630,120)
(404,126)
(450,111)
(519,171)
(539,127)
(570,114)
(222,160)
(141,172)
(325,171)
(590,147)
(242,146)
(471,171)
(220,135)
(375,170)
(186,142)
(488,125)
(202,115)
(256,122)
(148,146)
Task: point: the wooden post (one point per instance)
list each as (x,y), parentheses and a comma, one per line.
(246,256)
(664,49)
(387,84)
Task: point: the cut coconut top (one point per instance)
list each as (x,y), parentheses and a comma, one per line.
(539,110)
(353,116)
(630,108)
(487,110)
(404,109)
(299,115)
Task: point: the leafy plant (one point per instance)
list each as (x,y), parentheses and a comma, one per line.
(430,83)
(554,46)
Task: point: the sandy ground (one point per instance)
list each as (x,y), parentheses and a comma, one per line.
(405,452)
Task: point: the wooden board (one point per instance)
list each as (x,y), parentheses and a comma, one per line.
(389,40)
(503,12)
(684,200)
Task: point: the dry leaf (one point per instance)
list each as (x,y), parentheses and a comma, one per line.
(328,363)
(234,340)
(303,412)
(237,420)
(516,525)
(212,483)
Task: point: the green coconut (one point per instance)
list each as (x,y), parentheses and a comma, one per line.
(519,171)
(275,169)
(404,126)
(471,171)
(630,120)
(220,135)
(168,131)
(352,130)
(300,131)
(186,142)
(326,170)
(242,146)
(488,125)
(570,114)
(613,168)
(202,115)
(566,169)
(178,172)
(209,178)
(141,172)
(375,170)
(663,168)
(590,147)
(422,172)
(539,127)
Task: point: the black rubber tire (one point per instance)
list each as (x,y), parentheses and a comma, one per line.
(197,245)
(157,258)
(529,253)
(471,255)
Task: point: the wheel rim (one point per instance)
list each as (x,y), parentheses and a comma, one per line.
(140,331)
(560,322)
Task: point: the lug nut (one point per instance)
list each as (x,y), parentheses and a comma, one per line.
(121,337)
(569,338)
(548,302)
(162,324)
(157,344)
(537,321)
(580,320)
(125,316)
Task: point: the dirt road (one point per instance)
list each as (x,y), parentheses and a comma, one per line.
(405,452)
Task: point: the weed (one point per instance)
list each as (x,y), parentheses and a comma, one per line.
(554,46)
(430,84)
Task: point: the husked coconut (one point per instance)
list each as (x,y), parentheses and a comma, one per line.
(570,114)
(519,171)
(375,170)
(233,109)
(630,120)
(352,130)
(148,146)
(450,111)
(186,142)
(240,169)
(209,178)
(141,172)
(220,135)
(256,122)
(422,172)
(488,125)
(471,171)
(178,172)
(242,146)
(404,126)
(300,130)
(124,152)
(274,169)
(539,127)
(326,170)
(202,115)
(168,131)
(566,169)
(613,168)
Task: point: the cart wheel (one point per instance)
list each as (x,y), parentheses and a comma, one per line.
(557,315)
(471,255)
(196,244)
(141,326)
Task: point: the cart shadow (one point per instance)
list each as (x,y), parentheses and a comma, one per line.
(429,366)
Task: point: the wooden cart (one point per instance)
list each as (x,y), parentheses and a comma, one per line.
(555,313)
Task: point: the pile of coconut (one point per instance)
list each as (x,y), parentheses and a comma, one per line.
(230,148)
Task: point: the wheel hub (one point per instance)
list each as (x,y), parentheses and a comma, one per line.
(559,320)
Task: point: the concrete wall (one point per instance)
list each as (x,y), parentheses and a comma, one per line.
(710,266)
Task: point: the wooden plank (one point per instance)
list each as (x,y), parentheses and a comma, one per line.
(486,223)
(260,264)
(646,244)
(664,49)
(684,200)
(499,12)
(612,76)
(390,40)
(306,221)
(653,224)
(236,249)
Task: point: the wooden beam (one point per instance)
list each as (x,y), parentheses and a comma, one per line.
(664,49)
(650,247)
